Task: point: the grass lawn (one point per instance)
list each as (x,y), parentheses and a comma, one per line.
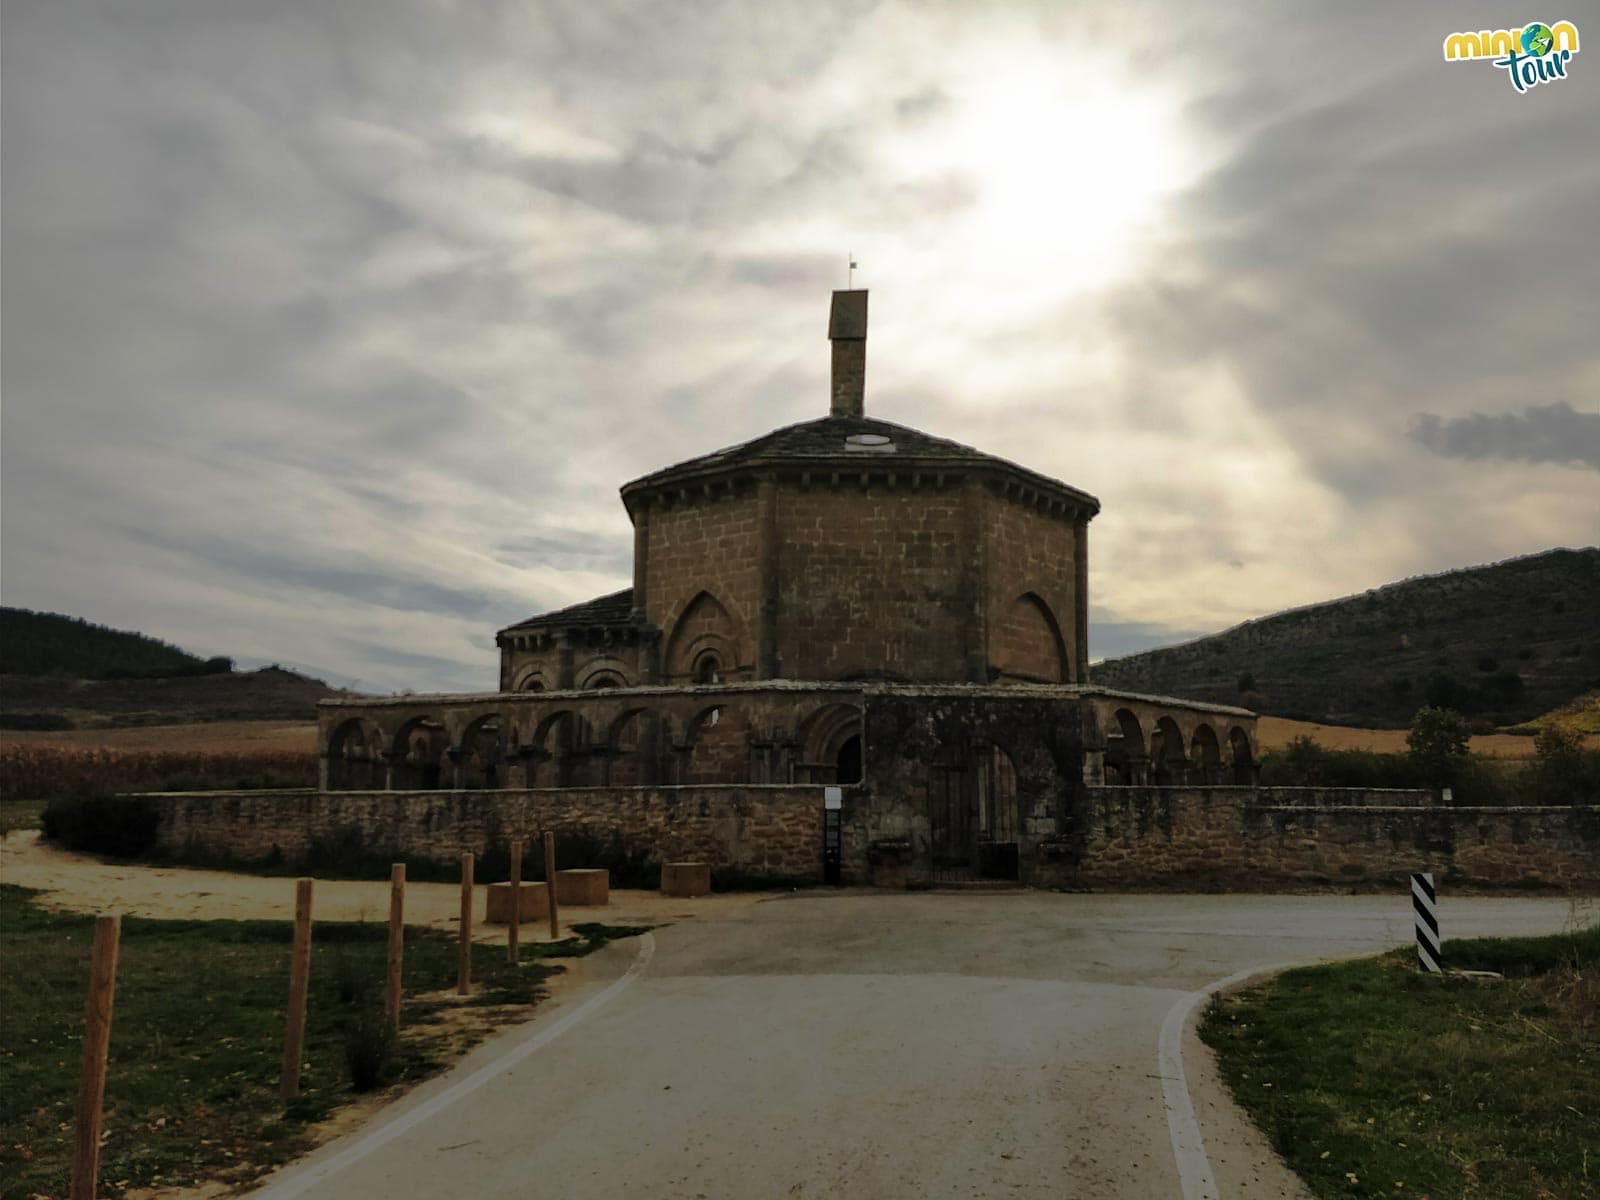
(196,1039)
(1374,1080)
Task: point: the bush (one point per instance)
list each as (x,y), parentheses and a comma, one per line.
(1437,745)
(52,722)
(100,823)
(368,1050)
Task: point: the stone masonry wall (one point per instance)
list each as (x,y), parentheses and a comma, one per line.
(1266,838)
(873,580)
(762,830)
(1028,551)
(712,545)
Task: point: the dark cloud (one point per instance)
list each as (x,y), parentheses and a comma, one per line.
(1550,433)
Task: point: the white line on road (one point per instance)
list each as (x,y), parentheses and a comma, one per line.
(299,1184)
(1188,1147)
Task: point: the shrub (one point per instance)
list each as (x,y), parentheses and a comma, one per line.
(100,823)
(1437,745)
(35,720)
(368,1050)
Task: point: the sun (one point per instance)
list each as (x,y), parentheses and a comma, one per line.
(1064,168)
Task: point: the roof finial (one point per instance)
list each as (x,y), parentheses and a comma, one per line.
(850,278)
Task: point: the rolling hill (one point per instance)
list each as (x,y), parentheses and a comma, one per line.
(1501,643)
(65,673)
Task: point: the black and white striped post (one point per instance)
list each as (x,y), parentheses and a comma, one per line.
(1426,903)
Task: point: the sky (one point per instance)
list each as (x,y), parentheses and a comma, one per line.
(330,330)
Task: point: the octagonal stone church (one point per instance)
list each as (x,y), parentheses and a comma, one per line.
(845,602)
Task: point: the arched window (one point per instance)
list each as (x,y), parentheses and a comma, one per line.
(708,668)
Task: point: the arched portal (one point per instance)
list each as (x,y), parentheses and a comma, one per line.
(482,754)
(847,763)
(418,755)
(1241,760)
(1125,755)
(705,628)
(1168,760)
(1026,643)
(636,749)
(355,759)
(1205,755)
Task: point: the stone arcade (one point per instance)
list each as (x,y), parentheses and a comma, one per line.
(843,601)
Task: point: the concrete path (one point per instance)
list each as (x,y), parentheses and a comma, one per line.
(846,1044)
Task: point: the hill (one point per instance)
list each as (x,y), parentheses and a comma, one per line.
(1501,643)
(52,702)
(35,643)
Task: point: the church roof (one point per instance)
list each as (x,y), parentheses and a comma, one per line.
(615,609)
(848,439)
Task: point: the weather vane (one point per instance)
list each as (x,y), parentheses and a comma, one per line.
(850,278)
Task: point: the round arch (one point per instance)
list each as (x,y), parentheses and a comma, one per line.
(355,758)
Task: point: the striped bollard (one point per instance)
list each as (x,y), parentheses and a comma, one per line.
(1426,903)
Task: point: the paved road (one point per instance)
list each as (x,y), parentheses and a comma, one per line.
(934,1045)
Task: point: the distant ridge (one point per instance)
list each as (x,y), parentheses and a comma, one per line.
(37,643)
(1502,643)
(63,673)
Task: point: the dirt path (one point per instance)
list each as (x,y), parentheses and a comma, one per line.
(84,883)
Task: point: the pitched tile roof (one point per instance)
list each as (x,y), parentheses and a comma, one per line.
(615,609)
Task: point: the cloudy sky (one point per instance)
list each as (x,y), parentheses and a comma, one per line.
(331,329)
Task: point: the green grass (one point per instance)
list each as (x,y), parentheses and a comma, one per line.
(196,1038)
(20,814)
(1372,1079)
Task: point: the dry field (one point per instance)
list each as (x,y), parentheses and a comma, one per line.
(1277,732)
(36,766)
(218,737)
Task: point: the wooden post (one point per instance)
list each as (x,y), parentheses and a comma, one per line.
(397,943)
(550,876)
(464,960)
(96,1042)
(514,930)
(299,979)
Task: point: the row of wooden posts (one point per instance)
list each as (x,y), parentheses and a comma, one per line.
(103,982)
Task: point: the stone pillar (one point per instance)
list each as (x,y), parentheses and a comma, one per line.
(641,558)
(565,671)
(974,583)
(767,666)
(455,757)
(1094,767)
(1080,633)
(322,771)
(388,772)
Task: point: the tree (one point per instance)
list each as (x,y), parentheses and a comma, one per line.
(1560,769)
(1437,744)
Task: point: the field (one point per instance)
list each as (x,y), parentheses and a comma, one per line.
(192,1088)
(1278,732)
(37,766)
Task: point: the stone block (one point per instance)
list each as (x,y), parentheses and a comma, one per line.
(534,897)
(583,887)
(685,879)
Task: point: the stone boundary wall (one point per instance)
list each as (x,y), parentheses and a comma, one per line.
(1277,837)
(775,830)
